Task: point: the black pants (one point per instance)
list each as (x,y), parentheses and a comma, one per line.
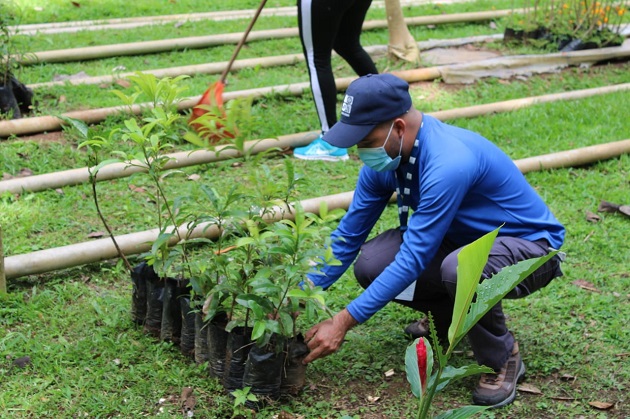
(435,289)
(326,25)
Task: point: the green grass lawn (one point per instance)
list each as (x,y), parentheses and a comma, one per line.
(86,358)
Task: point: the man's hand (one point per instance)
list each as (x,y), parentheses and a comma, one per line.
(326,337)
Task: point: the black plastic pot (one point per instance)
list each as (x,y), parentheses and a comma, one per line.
(139,277)
(23,95)
(201,337)
(171,327)
(263,374)
(187,337)
(294,372)
(572,45)
(217,345)
(238,347)
(511,35)
(153,319)
(8,104)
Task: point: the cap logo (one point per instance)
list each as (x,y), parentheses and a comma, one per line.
(346,106)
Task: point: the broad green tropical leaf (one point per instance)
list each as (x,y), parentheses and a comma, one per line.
(450,374)
(493,289)
(470,263)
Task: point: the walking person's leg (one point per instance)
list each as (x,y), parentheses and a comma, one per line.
(348,40)
(318,23)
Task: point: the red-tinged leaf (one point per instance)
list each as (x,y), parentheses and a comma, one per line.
(96,235)
(585,285)
(591,217)
(528,388)
(601,405)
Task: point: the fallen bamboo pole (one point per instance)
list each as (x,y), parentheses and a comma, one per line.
(573,158)
(184,159)
(3,277)
(51,123)
(135,243)
(194,42)
(130,244)
(119,170)
(135,22)
(263,62)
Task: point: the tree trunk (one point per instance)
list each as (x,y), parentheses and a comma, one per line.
(401,43)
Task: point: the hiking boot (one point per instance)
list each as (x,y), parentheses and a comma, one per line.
(419,329)
(321,150)
(499,389)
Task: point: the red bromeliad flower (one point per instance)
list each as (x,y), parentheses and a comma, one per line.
(421,351)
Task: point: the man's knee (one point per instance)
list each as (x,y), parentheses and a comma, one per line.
(448,273)
(363,273)
(376,255)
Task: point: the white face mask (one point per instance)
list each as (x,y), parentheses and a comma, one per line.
(378,159)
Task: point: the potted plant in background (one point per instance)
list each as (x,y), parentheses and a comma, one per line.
(567,26)
(15,97)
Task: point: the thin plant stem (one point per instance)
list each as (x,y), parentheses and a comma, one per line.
(105,224)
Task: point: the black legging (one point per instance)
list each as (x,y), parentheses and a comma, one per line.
(326,25)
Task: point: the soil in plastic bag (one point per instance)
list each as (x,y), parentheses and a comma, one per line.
(8,104)
(171,328)
(139,277)
(153,319)
(238,347)
(201,337)
(217,345)
(187,337)
(23,95)
(294,372)
(15,98)
(263,373)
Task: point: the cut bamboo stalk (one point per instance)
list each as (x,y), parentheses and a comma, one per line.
(263,62)
(50,123)
(3,277)
(130,244)
(120,170)
(135,243)
(184,159)
(134,22)
(574,158)
(194,42)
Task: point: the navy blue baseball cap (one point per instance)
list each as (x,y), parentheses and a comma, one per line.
(369,101)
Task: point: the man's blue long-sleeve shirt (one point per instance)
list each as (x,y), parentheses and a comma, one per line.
(463,186)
